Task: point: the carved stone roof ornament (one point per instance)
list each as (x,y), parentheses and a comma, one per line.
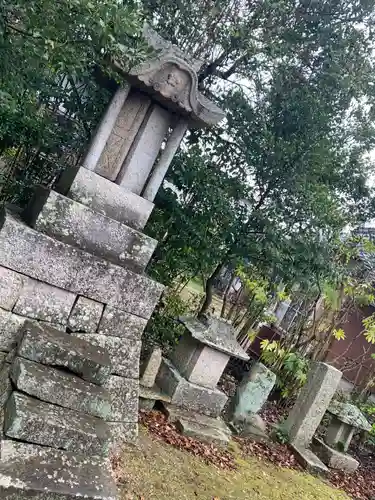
(171,78)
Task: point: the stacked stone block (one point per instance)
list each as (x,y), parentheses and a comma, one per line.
(83,272)
(55,412)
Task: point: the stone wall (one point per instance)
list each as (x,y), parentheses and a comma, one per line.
(82,272)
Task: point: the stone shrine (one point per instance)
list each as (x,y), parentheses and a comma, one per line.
(74,296)
(191,375)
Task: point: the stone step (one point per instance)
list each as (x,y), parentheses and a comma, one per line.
(187,395)
(46,345)
(29,471)
(28,419)
(104,196)
(30,252)
(75,224)
(60,388)
(202,432)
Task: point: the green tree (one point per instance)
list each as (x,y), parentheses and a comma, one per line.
(50,53)
(298,94)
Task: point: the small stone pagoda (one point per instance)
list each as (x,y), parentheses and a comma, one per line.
(346,419)
(191,375)
(74,295)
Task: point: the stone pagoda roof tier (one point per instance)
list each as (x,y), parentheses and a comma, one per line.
(217,333)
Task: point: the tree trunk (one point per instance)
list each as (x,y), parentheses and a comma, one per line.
(225,295)
(209,290)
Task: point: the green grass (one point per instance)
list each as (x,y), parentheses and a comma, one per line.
(154,470)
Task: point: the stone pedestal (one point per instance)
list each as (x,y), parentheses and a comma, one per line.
(312,403)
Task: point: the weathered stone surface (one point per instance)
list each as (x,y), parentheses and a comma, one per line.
(339,434)
(105,197)
(254,427)
(252,392)
(3,356)
(60,265)
(332,458)
(309,460)
(28,419)
(199,363)
(52,347)
(187,395)
(124,399)
(60,388)
(349,414)
(85,315)
(30,471)
(311,404)
(124,353)
(122,135)
(118,323)
(144,150)
(150,368)
(5,384)
(10,334)
(45,302)
(75,224)
(217,333)
(202,432)
(11,284)
(123,432)
(146,404)
(153,393)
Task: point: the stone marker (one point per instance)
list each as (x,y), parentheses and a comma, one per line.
(28,419)
(61,388)
(150,368)
(52,347)
(40,473)
(252,392)
(311,404)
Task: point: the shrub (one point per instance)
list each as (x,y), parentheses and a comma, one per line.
(163,328)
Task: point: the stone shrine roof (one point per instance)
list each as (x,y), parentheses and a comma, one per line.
(170,76)
(349,414)
(218,334)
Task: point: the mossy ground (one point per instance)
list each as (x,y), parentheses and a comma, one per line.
(154,470)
